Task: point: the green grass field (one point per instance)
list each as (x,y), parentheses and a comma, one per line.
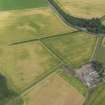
(21,4)
(76,49)
(100,51)
(23,64)
(97,97)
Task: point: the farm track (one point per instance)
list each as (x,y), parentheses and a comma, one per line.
(64,65)
(52,52)
(48,37)
(45,75)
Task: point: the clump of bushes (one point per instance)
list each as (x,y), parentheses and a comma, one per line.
(6,94)
(98,66)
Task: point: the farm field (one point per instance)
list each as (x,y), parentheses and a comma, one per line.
(24,64)
(97,97)
(103,42)
(54,91)
(21,4)
(22,25)
(84,8)
(100,51)
(75,49)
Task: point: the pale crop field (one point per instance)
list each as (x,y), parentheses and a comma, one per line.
(54,91)
(23,64)
(21,25)
(76,48)
(84,8)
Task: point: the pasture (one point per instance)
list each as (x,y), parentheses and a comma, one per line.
(75,49)
(21,4)
(100,51)
(24,64)
(22,25)
(54,91)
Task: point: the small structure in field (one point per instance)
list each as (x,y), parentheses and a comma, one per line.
(88,75)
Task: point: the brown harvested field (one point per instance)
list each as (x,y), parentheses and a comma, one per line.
(54,91)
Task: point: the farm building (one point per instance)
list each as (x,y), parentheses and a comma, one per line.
(88,75)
